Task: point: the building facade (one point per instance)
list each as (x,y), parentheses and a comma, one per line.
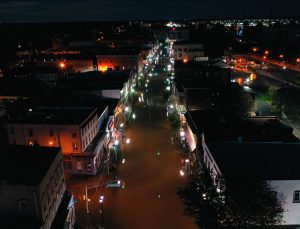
(187,51)
(71,129)
(32,196)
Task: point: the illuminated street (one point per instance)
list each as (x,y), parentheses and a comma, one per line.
(151,173)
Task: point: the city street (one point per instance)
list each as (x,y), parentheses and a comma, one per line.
(151,173)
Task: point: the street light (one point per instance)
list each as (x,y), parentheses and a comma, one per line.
(267,52)
(116,143)
(62,65)
(298,61)
(126,109)
(127,140)
(101,200)
(181,173)
(133,116)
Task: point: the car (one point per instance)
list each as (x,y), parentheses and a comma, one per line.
(115,184)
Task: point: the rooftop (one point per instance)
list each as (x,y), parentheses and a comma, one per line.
(56,116)
(25,165)
(267,161)
(217,128)
(128,50)
(97,80)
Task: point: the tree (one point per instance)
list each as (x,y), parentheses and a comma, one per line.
(235,203)
(233,101)
(276,99)
(174,119)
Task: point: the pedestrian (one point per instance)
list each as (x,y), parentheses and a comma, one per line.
(172,140)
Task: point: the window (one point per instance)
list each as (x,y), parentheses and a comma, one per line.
(24,207)
(185,49)
(11,130)
(51,133)
(30,132)
(89,167)
(273,194)
(74,135)
(296,198)
(79,165)
(75,146)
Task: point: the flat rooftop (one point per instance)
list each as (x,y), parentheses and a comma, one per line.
(55,116)
(25,165)
(97,80)
(216,128)
(267,161)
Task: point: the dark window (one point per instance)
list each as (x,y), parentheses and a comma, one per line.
(74,135)
(51,133)
(24,207)
(30,132)
(296,198)
(274,194)
(11,130)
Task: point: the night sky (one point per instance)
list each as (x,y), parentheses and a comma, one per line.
(87,10)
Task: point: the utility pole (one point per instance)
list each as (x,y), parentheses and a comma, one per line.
(86,200)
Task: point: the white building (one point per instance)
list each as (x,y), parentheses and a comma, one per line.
(188,51)
(276,163)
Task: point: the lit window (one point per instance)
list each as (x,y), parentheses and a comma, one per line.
(296,198)
(75,146)
(79,165)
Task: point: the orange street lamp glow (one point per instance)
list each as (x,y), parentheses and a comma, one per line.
(298,60)
(185,60)
(254,49)
(281,56)
(51,143)
(62,65)
(267,52)
(264,57)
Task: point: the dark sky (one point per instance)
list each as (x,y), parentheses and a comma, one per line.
(86,10)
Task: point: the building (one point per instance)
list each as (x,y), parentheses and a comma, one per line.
(197,85)
(32,189)
(188,51)
(196,73)
(173,34)
(12,89)
(275,163)
(216,128)
(71,128)
(121,59)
